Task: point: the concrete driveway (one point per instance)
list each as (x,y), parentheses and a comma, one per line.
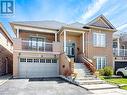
(55,86)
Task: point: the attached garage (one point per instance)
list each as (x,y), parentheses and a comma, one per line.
(34,67)
(120,64)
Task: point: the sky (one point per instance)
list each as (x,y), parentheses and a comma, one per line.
(68,11)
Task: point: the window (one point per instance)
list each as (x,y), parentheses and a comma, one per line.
(114,44)
(22,59)
(100,62)
(29,60)
(42,60)
(48,60)
(36,60)
(99,40)
(54,60)
(37,43)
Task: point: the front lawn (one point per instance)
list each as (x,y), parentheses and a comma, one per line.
(116,81)
(124,87)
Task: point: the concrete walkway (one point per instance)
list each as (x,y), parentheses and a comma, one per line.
(114,91)
(100,87)
(4,78)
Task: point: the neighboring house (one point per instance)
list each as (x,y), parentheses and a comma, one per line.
(120,50)
(51,48)
(6,50)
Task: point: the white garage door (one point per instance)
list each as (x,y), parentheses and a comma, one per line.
(32,67)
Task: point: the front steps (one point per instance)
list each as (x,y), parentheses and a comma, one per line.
(88,81)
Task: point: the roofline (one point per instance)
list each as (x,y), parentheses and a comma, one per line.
(113,30)
(103,18)
(6,33)
(67,27)
(13,24)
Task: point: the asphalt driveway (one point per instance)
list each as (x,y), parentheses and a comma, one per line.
(55,86)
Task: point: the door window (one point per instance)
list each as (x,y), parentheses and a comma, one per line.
(37,43)
(70,49)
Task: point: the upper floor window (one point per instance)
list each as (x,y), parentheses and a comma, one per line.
(99,39)
(114,44)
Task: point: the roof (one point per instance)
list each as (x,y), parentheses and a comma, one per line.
(5,31)
(106,23)
(56,25)
(50,24)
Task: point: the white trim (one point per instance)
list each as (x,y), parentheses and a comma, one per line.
(65,41)
(17,32)
(55,37)
(75,31)
(120,60)
(35,29)
(36,52)
(83,42)
(118,46)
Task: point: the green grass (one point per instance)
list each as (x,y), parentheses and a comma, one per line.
(124,87)
(116,81)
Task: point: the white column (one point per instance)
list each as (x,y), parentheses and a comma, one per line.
(17,31)
(64,41)
(83,42)
(118,46)
(55,37)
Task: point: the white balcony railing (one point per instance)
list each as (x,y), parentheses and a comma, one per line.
(119,52)
(37,46)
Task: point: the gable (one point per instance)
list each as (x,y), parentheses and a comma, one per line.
(101,22)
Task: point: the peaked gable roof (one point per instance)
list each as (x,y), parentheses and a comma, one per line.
(102,22)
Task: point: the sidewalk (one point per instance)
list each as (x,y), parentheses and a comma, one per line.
(4,78)
(115,91)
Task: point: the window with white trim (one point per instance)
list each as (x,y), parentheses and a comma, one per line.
(48,60)
(99,39)
(22,59)
(29,60)
(42,60)
(54,60)
(100,62)
(36,60)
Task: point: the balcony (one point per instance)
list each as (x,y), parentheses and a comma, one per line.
(120,52)
(26,45)
(37,46)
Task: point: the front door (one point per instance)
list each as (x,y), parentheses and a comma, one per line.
(70,49)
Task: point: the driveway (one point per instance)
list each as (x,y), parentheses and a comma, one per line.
(54,86)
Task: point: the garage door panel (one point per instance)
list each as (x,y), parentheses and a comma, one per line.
(39,70)
(120,64)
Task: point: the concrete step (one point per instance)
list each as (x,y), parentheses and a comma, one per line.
(90,82)
(99,86)
(86,78)
(82,70)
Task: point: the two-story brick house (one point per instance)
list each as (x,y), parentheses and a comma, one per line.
(51,48)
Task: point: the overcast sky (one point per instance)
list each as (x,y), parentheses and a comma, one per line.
(68,11)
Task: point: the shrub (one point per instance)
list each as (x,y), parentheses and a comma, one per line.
(101,72)
(106,71)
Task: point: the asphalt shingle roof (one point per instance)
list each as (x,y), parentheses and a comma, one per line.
(50,24)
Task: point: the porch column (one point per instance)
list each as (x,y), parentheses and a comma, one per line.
(118,46)
(83,42)
(64,41)
(17,32)
(55,37)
